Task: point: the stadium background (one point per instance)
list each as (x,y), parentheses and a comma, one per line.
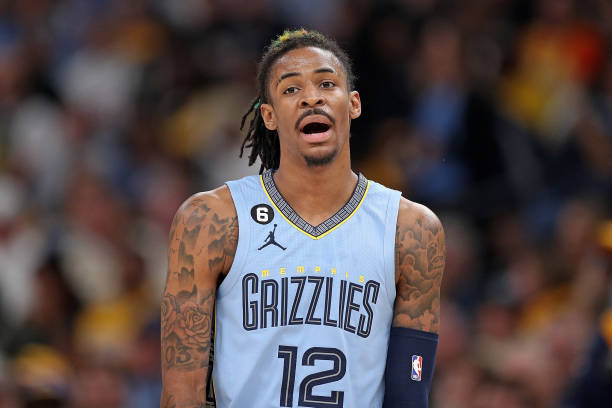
(495,113)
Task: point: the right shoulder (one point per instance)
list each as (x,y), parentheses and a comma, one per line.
(218,201)
(207,221)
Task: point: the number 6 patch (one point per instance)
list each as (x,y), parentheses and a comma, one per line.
(262,214)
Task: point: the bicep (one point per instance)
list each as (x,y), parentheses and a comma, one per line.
(419,262)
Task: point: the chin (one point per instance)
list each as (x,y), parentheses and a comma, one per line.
(320,159)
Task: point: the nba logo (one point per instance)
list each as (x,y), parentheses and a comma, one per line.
(417,366)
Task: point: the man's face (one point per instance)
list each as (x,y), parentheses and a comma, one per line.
(310,105)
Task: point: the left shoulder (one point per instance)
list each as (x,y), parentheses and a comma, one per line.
(418,217)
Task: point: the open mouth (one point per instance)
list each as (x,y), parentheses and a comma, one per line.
(315,127)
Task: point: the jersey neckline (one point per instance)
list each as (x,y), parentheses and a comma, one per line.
(327,226)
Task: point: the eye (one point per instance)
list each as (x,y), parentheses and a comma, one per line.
(290,90)
(327,84)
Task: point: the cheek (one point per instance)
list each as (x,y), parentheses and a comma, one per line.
(344,114)
(286,125)
(285,116)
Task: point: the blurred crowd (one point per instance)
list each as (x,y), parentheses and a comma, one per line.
(495,113)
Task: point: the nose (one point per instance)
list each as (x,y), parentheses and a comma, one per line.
(311,97)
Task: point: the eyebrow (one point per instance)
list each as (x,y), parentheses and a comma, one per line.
(292,74)
(326,69)
(287,75)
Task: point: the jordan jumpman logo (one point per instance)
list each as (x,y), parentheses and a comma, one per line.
(270,240)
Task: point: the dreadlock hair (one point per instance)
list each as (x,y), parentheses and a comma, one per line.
(263,142)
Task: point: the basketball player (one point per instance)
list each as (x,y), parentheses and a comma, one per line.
(321,286)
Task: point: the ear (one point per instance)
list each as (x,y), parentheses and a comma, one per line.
(268,115)
(355,105)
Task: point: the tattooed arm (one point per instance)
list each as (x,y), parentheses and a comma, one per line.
(419,262)
(413,339)
(201,250)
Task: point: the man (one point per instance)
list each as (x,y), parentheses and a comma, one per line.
(307,321)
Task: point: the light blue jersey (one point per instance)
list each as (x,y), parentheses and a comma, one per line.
(303,316)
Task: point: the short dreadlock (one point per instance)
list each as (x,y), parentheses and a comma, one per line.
(264,143)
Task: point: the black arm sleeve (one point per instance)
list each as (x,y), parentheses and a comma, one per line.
(410,365)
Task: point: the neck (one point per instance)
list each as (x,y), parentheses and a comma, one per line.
(316,192)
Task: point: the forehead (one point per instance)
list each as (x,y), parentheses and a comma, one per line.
(305,60)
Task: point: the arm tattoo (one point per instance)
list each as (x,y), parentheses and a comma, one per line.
(186,329)
(419,262)
(202,247)
(222,248)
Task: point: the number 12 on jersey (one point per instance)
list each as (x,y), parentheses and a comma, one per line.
(306,396)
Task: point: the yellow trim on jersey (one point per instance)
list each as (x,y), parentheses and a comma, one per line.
(301,230)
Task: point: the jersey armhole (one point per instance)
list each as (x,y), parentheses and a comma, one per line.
(244,240)
(389,242)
